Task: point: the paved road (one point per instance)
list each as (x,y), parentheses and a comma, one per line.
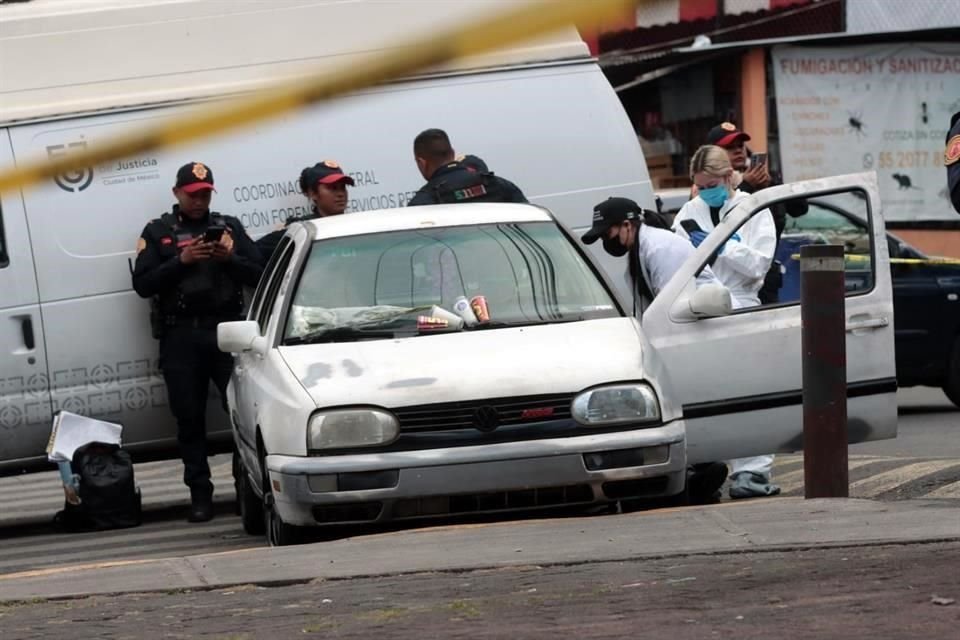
(874,592)
(923,462)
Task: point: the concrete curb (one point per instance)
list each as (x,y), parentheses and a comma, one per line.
(764,525)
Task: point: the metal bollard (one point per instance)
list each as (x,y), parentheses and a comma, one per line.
(823,339)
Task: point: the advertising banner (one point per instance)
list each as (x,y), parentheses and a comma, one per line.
(883,108)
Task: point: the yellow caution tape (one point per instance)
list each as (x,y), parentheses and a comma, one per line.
(851,257)
(481,36)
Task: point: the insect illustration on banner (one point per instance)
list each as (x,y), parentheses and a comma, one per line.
(855,123)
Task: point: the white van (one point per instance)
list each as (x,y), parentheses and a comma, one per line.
(73,335)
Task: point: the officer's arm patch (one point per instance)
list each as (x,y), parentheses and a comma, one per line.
(141,245)
(952,153)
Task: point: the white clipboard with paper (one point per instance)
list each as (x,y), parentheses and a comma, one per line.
(71,431)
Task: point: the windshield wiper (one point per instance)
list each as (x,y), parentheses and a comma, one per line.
(494,324)
(341,334)
(527,323)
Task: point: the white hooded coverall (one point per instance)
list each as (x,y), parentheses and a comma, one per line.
(741,267)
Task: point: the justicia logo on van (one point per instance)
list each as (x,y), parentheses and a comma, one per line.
(72,181)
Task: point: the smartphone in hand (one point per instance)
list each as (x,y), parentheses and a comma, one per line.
(758,159)
(213,234)
(690,226)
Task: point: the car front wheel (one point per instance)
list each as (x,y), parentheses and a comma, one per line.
(951,385)
(251,506)
(279,533)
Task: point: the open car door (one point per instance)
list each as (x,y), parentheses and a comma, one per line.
(738,376)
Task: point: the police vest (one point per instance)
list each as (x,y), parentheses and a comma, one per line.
(206,289)
(467,186)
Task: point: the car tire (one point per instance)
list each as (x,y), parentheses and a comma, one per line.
(279,533)
(951,385)
(237,470)
(251,506)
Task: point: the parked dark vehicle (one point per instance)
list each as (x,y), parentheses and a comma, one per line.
(926,295)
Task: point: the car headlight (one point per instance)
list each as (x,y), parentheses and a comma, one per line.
(616,404)
(348,428)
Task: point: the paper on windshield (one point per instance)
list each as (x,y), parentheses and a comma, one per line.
(308,320)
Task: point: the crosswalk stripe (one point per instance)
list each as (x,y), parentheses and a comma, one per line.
(163,548)
(150,500)
(132,538)
(794,480)
(951,490)
(52,488)
(873,486)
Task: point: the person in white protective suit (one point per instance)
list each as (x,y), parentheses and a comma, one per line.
(740,264)
(654,254)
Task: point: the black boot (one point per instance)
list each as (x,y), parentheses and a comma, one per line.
(704,482)
(201,505)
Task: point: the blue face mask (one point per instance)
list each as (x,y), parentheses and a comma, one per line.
(715,196)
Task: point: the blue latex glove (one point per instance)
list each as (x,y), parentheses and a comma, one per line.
(735,237)
(696,237)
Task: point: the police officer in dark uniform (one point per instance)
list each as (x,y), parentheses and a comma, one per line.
(194,263)
(951,158)
(325,185)
(450,180)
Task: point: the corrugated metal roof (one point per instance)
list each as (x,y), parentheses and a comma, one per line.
(795,21)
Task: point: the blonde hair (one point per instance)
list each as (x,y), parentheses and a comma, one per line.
(713,161)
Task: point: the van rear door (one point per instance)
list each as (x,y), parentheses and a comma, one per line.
(25,413)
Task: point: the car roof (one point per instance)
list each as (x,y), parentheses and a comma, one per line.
(424,217)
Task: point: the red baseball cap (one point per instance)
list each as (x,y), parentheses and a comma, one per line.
(726,134)
(328,172)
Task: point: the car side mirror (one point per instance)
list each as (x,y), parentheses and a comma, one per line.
(710,301)
(240,337)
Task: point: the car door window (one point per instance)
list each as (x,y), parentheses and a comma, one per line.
(285,252)
(841,219)
(263,285)
(4,259)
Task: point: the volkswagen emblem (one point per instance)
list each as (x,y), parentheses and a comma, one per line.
(486,419)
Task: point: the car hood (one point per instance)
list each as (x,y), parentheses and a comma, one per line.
(496,363)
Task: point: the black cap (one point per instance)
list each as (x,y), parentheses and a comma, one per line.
(473,163)
(608,213)
(194,176)
(725,134)
(327,172)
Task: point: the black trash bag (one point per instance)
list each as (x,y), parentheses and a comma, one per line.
(109,497)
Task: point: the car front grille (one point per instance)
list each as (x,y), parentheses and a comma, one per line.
(493,501)
(485,414)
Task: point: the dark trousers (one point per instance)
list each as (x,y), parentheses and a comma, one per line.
(190,359)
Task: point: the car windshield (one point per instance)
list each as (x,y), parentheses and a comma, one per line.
(409,283)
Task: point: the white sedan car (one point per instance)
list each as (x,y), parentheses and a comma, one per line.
(364,392)
(472,358)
